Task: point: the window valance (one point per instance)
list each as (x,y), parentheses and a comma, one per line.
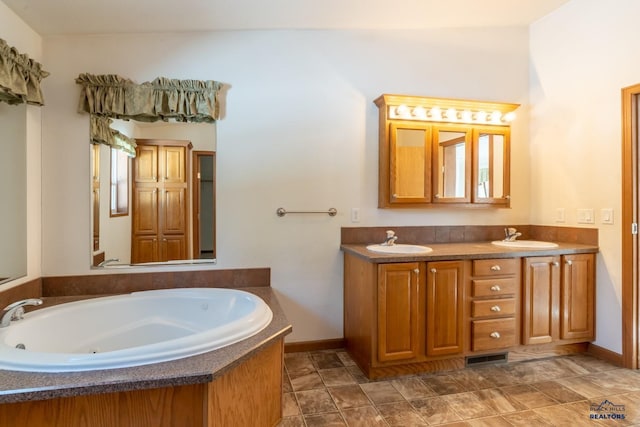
(110,95)
(20,77)
(102,133)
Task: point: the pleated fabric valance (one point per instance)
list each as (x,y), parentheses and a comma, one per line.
(110,95)
(20,77)
(102,133)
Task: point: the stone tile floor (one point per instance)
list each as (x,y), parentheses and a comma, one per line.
(326,388)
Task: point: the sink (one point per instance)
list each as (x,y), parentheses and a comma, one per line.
(399,248)
(531,244)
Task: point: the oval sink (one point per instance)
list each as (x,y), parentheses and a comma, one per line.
(399,248)
(531,244)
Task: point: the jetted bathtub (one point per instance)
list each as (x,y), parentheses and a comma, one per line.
(130,330)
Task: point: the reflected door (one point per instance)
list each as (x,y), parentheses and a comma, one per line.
(491,165)
(452,169)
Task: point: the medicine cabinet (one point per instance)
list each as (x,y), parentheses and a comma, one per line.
(436,151)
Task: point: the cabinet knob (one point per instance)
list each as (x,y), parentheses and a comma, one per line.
(495,288)
(495,268)
(437,196)
(556,264)
(495,335)
(433,270)
(495,308)
(417,271)
(569,262)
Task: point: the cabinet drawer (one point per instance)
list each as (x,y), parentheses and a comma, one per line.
(493,334)
(493,307)
(495,267)
(493,287)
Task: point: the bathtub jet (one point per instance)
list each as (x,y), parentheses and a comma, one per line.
(130,330)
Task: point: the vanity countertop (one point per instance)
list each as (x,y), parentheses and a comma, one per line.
(469,250)
(23,386)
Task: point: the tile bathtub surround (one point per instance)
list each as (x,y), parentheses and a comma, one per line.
(326,388)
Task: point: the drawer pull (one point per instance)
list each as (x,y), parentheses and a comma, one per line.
(433,270)
(495,288)
(417,271)
(495,308)
(569,262)
(556,264)
(495,335)
(495,268)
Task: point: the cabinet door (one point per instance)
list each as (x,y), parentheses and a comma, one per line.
(399,310)
(146,164)
(577,297)
(409,163)
(541,300)
(173,165)
(452,164)
(445,284)
(491,160)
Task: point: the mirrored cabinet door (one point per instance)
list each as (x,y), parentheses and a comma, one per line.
(410,160)
(452,166)
(491,165)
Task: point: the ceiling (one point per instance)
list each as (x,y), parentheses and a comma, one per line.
(59,17)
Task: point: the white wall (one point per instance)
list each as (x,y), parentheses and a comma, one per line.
(16,33)
(581,57)
(299,131)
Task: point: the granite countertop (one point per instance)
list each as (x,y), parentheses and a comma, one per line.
(23,386)
(471,250)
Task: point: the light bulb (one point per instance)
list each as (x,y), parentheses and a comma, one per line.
(496,116)
(481,116)
(509,117)
(419,112)
(402,110)
(436,113)
(467,116)
(452,114)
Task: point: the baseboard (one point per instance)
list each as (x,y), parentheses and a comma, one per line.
(606,355)
(295,347)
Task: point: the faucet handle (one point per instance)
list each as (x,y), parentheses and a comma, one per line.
(390,233)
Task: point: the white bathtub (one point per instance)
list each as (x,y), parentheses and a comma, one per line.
(129,330)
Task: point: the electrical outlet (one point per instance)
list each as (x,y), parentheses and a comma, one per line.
(585,216)
(355,214)
(606,216)
(560,215)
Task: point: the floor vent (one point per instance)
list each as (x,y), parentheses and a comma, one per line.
(486,359)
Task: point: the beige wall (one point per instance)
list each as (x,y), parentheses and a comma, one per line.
(581,57)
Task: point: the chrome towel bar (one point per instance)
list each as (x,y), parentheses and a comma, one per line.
(283,212)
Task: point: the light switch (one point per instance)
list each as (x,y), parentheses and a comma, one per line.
(606,215)
(355,214)
(560,215)
(585,216)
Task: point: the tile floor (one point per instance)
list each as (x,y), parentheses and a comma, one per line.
(326,388)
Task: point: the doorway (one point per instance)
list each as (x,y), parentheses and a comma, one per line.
(630,261)
(204,234)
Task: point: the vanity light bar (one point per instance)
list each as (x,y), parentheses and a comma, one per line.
(447,110)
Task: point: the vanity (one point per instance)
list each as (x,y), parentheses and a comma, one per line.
(467,301)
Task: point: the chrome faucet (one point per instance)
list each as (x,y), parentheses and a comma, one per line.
(391,238)
(511,234)
(15,311)
(108,261)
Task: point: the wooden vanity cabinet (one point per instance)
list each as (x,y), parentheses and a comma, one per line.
(400,317)
(558,298)
(494,299)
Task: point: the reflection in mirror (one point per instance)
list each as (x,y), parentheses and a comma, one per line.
(412,158)
(490,176)
(13,190)
(168,214)
(451,172)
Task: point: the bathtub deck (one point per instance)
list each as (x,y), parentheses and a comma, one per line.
(201,369)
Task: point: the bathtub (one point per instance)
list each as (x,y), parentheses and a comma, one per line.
(130,330)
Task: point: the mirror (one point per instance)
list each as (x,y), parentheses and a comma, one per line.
(13,190)
(158,207)
(453,165)
(491,180)
(410,147)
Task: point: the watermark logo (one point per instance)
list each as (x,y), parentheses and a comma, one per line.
(606,410)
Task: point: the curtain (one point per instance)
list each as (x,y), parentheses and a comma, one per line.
(101,133)
(110,95)
(20,77)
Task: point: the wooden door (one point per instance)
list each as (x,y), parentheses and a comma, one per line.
(409,163)
(160,201)
(577,297)
(399,310)
(445,284)
(540,314)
